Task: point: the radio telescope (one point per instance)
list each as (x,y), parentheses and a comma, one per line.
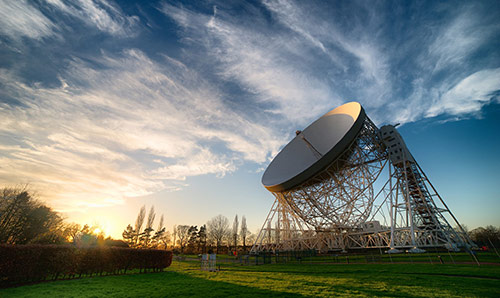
(342,183)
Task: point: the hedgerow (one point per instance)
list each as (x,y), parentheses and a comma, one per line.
(33,263)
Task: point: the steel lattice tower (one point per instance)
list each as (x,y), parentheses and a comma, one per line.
(340,207)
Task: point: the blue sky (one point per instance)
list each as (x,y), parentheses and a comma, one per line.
(106,106)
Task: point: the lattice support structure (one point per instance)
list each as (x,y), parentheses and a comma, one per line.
(338,208)
(318,213)
(416,219)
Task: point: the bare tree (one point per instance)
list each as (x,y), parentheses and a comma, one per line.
(146,237)
(234,232)
(218,229)
(251,237)
(71,230)
(151,217)
(160,224)
(23,219)
(174,232)
(244,231)
(159,236)
(87,237)
(202,238)
(129,235)
(488,236)
(165,238)
(139,222)
(183,235)
(193,240)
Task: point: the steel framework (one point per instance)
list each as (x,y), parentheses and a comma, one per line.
(339,209)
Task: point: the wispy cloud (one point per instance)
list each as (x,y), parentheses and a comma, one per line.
(469,95)
(128,129)
(265,63)
(458,39)
(218,88)
(103,15)
(304,61)
(440,69)
(20,19)
(449,79)
(360,45)
(301,63)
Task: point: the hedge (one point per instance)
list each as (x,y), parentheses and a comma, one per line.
(33,263)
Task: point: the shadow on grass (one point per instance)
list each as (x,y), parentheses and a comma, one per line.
(186,280)
(393,281)
(165,284)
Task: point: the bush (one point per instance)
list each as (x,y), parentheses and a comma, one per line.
(33,263)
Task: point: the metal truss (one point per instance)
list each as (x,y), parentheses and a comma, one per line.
(338,208)
(417,221)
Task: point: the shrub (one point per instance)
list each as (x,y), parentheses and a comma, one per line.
(33,263)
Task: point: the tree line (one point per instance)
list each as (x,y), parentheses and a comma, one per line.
(26,220)
(216,235)
(146,238)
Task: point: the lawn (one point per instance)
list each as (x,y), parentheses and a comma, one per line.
(184,279)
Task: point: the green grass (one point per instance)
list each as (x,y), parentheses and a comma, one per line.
(485,258)
(431,258)
(184,279)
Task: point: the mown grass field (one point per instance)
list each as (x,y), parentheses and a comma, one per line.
(323,279)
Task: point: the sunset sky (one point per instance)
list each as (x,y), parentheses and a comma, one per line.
(107,106)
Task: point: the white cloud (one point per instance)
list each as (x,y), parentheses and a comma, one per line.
(372,82)
(263,62)
(444,84)
(20,19)
(469,95)
(202,162)
(457,40)
(279,64)
(100,14)
(297,20)
(134,128)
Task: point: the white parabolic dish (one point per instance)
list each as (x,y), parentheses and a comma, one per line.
(315,148)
